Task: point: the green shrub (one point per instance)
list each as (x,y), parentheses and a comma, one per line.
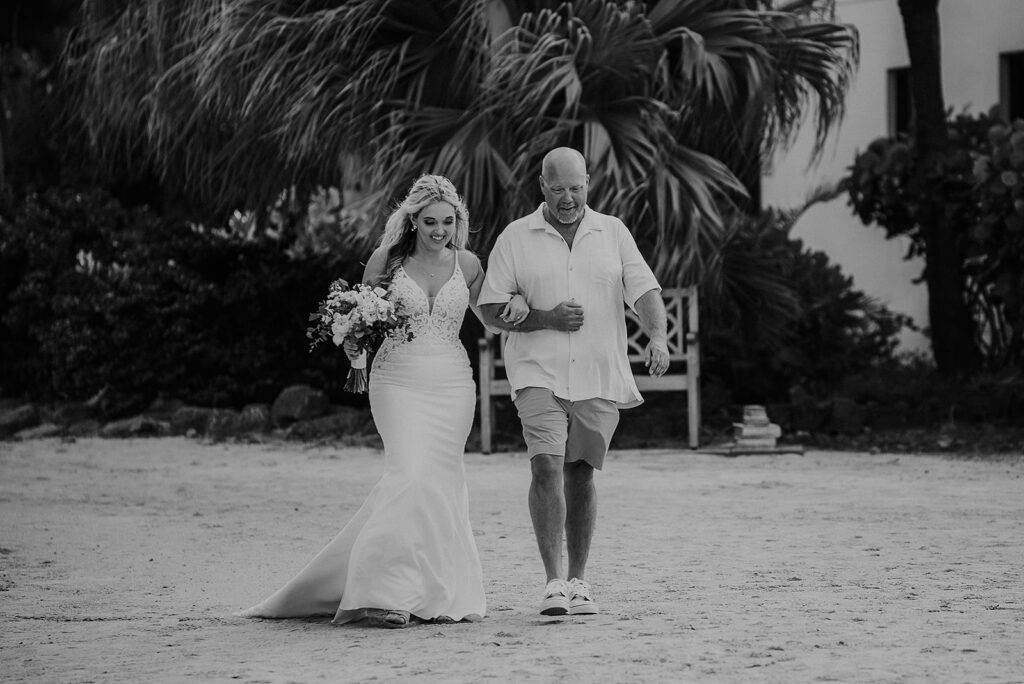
(105,297)
(982,192)
(786,316)
(98,296)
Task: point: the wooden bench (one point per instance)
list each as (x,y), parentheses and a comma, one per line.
(683,374)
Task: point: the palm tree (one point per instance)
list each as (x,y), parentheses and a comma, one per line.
(670,100)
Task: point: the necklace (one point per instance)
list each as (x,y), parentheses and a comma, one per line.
(426,268)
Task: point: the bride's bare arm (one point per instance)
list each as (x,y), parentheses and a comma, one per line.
(375,266)
(474,274)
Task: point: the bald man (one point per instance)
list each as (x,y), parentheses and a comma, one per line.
(566,360)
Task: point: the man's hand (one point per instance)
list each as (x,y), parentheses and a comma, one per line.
(567,316)
(656,357)
(651,310)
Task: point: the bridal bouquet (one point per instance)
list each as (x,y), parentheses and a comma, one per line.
(360,312)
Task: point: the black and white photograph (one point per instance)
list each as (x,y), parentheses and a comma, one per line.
(515,341)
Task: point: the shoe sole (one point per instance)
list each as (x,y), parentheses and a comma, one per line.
(585,609)
(554,607)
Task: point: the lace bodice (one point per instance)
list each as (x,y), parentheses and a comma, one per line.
(440,323)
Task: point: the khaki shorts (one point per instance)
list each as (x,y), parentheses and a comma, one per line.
(577,430)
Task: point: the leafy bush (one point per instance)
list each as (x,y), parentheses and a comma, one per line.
(982,190)
(786,316)
(995,253)
(98,296)
(910,391)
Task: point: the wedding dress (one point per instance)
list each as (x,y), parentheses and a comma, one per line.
(410,546)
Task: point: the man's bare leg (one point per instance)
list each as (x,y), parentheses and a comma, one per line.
(580,517)
(580,514)
(547,510)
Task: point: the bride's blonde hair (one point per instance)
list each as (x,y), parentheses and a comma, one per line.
(399,239)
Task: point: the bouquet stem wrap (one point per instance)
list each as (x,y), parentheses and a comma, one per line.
(357,381)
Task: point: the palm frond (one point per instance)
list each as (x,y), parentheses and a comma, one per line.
(546,75)
(815,63)
(229,101)
(772,65)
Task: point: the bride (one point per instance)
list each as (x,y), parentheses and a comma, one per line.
(409,553)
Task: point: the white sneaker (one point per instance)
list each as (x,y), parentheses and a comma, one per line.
(556,598)
(580,601)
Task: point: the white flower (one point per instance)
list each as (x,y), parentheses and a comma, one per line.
(356,312)
(340,328)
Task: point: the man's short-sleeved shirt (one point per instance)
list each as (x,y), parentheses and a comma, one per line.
(603,270)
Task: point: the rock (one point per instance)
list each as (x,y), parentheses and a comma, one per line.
(18,419)
(298,403)
(83,428)
(41,431)
(108,405)
(224,424)
(847,416)
(340,424)
(190,418)
(255,418)
(74,412)
(165,408)
(137,426)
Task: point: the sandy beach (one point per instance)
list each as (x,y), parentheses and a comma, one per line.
(124,561)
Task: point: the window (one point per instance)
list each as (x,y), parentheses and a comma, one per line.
(901,104)
(1011,84)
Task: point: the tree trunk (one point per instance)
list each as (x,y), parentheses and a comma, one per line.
(949,317)
(3,159)
(4,56)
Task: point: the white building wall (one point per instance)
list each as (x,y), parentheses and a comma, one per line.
(974,33)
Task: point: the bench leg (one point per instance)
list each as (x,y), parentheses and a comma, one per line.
(486,373)
(485,420)
(693,413)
